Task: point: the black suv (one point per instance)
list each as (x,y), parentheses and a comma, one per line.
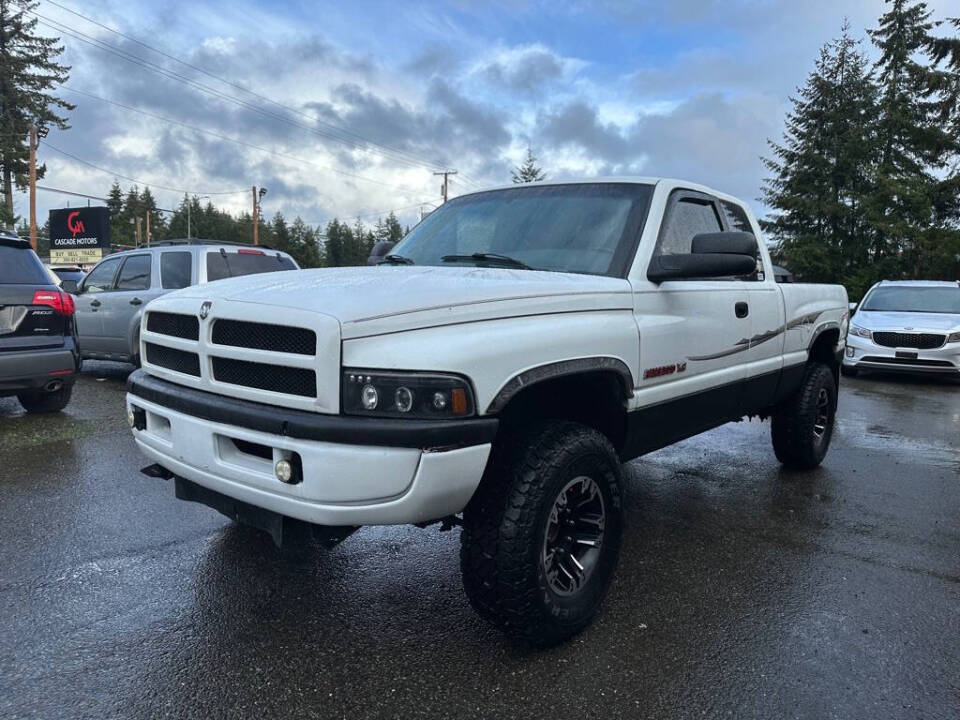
(38,349)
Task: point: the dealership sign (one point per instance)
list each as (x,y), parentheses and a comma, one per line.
(78,236)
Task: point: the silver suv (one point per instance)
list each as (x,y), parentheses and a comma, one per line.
(111,298)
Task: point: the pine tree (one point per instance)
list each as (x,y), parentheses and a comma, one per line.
(906,207)
(821,171)
(115,205)
(528,171)
(148,206)
(28,74)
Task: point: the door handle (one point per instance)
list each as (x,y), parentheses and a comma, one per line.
(136,301)
(741,309)
(94,303)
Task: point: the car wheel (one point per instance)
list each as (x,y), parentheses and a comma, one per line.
(802,428)
(541,537)
(46,402)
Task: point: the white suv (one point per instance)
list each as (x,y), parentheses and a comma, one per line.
(906,326)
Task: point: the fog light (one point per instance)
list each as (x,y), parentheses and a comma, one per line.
(284,471)
(850,351)
(369,397)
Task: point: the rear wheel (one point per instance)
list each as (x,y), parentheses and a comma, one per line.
(803,426)
(46,402)
(541,537)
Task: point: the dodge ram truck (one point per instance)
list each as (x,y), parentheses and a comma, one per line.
(493,371)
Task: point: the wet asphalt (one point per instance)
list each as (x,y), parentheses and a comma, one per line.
(743,590)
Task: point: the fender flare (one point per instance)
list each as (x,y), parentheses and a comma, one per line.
(820,330)
(563,368)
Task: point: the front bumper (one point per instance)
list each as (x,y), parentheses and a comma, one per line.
(864,354)
(356,471)
(32,369)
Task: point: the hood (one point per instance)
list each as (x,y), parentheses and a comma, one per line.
(372,300)
(899,321)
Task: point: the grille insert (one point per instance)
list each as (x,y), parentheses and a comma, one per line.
(263,376)
(920,341)
(906,361)
(186,327)
(263,336)
(179,361)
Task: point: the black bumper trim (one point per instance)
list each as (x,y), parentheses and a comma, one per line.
(304,425)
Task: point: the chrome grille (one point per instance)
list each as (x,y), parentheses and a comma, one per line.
(170,358)
(176,325)
(263,376)
(920,341)
(262,336)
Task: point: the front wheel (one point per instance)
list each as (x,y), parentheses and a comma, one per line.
(541,537)
(803,426)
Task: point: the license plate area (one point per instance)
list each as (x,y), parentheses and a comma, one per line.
(10,318)
(906,354)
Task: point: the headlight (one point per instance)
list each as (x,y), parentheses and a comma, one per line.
(423,396)
(859,331)
(953,337)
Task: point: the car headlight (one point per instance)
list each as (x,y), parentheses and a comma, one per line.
(859,331)
(953,337)
(424,396)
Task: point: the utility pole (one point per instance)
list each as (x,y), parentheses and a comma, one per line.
(138,230)
(148,228)
(257,197)
(33,187)
(446,181)
(256,218)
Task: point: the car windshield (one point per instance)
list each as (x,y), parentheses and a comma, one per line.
(581,228)
(914,299)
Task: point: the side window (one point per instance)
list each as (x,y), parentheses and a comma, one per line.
(688,217)
(135,274)
(216,267)
(101,277)
(736,217)
(737,220)
(175,270)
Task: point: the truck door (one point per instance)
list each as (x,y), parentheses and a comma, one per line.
(692,335)
(764,359)
(123,306)
(95,286)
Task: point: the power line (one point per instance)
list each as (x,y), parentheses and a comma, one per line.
(135,180)
(390,153)
(227,138)
(381,213)
(89,197)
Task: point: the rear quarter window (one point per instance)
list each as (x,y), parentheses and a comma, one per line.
(21,266)
(234,263)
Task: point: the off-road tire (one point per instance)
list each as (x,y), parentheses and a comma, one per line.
(505,527)
(849,371)
(801,438)
(46,402)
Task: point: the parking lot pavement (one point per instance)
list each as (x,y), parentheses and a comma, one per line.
(743,591)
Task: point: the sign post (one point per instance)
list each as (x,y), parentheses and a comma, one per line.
(78,236)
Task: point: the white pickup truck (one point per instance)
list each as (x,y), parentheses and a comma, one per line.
(494,372)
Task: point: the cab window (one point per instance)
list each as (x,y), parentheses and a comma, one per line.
(101,277)
(689,216)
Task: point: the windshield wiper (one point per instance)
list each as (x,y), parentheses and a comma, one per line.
(395,260)
(489,257)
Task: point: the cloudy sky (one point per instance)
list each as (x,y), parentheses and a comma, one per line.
(354,105)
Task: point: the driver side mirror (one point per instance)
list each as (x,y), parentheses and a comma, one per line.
(716,254)
(69,286)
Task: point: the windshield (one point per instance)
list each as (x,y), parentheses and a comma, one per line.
(914,299)
(584,228)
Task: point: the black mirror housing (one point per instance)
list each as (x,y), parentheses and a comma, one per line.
(69,286)
(726,243)
(705,265)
